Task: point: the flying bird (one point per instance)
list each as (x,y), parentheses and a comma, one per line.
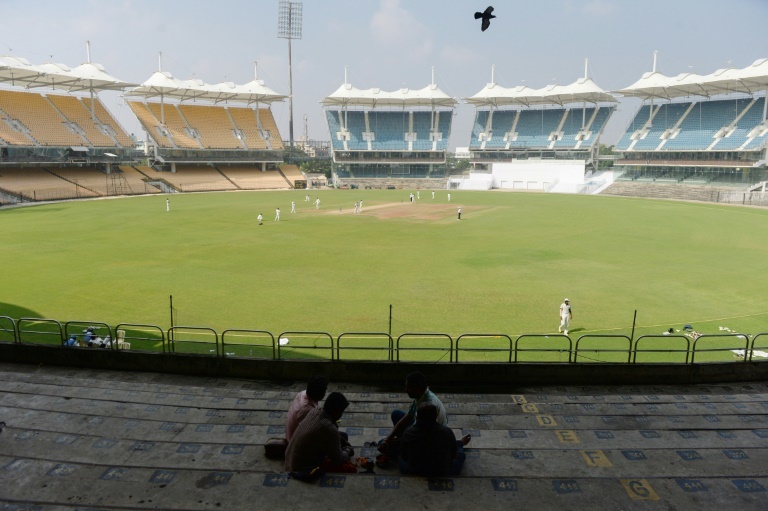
(486,16)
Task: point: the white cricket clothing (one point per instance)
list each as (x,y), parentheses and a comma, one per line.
(565,317)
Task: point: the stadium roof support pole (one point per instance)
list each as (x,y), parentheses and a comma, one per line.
(584,103)
(88,55)
(650,110)
(162,105)
(432,127)
(256,78)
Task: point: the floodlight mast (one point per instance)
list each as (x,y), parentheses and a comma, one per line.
(289,27)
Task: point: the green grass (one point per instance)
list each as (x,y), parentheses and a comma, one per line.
(503,269)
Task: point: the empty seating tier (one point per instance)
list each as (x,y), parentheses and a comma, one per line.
(191,179)
(74,110)
(715,125)
(100,439)
(214,126)
(40,184)
(247,124)
(385,130)
(248,177)
(37,115)
(550,128)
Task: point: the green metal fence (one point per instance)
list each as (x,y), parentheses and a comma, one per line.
(378,346)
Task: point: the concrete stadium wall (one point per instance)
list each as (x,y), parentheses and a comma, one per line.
(457,376)
(536,174)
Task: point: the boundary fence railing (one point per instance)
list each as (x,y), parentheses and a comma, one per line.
(382,347)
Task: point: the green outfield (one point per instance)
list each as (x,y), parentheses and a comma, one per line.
(504,268)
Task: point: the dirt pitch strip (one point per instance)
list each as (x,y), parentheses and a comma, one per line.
(415,211)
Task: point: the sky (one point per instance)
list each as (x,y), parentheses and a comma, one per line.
(389,44)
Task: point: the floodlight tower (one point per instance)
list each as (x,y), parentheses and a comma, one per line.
(289,27)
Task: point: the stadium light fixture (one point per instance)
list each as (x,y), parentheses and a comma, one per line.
(289,27)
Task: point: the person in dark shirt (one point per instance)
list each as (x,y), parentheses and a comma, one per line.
(429,449)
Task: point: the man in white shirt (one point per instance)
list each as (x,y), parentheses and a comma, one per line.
(565,316)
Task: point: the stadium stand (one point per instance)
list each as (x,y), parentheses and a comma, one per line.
(57,183)
(188,178)
(717,125)
(245,120)
(38,184)
(665,191)
(389,145)
(247,177)
(268,124)
(213,125)
(337,134)
(292,174)
(208,127)
(106,118)
(357,127)
(538,129)
(130,181)
(182,134)
(75,111)
(151,124)
(389,137)
(37,115)
(142,440)
(707,129)
(30,119)
(92,179)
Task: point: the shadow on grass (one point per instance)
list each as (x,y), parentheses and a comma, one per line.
(16,311)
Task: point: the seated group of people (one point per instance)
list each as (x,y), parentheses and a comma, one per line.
(90,339)
(420,441)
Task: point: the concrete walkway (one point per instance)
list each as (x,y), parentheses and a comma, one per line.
(79,439)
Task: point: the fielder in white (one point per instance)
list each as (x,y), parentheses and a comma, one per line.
(293,207)
(277,215)
(566,315)
(317,203)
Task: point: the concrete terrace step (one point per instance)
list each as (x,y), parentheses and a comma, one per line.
(98,440)
(666,190)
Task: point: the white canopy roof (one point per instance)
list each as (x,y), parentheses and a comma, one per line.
(656,85)
(347,95)
(89,76)
(16,71)
(162,84)
(581,91)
